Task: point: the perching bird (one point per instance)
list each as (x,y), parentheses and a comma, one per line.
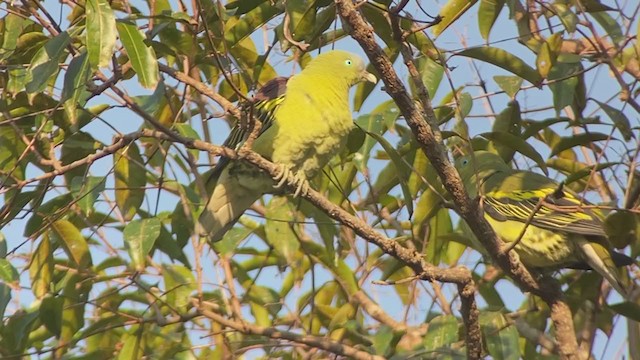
(305,122)
(564,231)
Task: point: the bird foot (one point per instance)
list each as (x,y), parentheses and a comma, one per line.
(283,174)
(299,180)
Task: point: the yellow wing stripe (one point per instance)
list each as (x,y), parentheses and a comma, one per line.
(553,214)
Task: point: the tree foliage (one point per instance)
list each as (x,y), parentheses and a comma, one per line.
(112,112)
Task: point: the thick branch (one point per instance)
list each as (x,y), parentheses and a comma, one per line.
(411,258)
(422,122)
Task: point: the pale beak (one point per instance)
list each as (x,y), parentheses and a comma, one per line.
(367,76)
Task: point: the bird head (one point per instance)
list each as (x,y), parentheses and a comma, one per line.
(342,64)
(477,167)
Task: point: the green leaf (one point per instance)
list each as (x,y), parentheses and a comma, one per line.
(450,12)
(75,91)
(431,73)
(364,89)
(8,273)
(87,114)
(168,245)
(51,310)
(619,119)
(130,180)
(131,347)
(75,147)
(3,247)
(143,58)
(587,171)
(384,340)
(465,104)
(501,337)
(585,139)
(264,296)
(45,62)
(140,235)
(14,24)
(545,60)
(403,170)
(595,6)
(620,227)
(379,21)
(509,121)
(442,332)
(187,131)
(627,309)
(610,25)
(505,60)
(279,228)
(11,148)
(374,122)
(518,144)
(437,245)
(509,84)
(41,268)
(426,207)
(568,18)
(564,91)
(75,294)
(236,31)
(548,54)
(243,6)
(45,213)
(488,12)
(15,332)
(86,191)
(232,238)
(302,15)
(5,297)
(101,32)
(534,127)
(180,283)
(491,295)
(17,80)
(72,241)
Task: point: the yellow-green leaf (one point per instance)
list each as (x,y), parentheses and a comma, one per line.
(279,227)
(130,180)
(505,60)
(72,241)
(45,62)
(140,235)
(450,12)
(143,57)
(41,268)
(101,32)
(569,142)
(487,14)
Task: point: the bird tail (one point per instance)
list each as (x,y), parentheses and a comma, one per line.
(226,204)
(600,260)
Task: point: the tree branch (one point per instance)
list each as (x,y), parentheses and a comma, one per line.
(311,341)
(411,258)
(202,88)
(423,123)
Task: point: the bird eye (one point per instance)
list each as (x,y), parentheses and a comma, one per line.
(465,162)
(348,62)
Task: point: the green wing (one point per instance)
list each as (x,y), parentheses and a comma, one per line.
(262,107)
(518,195)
